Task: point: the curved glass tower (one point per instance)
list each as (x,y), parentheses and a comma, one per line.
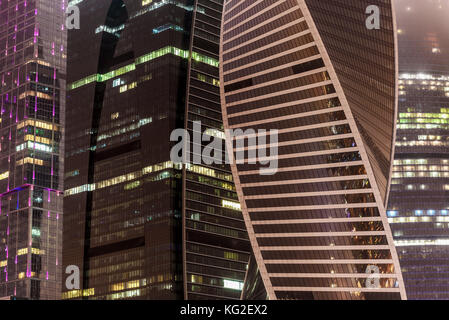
(418,209)
(312,70)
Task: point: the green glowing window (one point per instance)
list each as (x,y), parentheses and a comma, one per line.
(145,58)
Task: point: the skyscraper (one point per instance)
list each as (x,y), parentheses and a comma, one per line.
(419,198)
(137,224)
(32,93)
(313,70)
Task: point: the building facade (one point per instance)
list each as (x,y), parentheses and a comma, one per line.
(32,93)
(314,72)
(419,198)
(139,225)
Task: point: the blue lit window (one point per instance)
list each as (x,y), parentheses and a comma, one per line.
(392,213)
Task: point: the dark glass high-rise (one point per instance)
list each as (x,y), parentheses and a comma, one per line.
(139,225)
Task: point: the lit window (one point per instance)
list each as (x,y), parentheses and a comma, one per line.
(230,284)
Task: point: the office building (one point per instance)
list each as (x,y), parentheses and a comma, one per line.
(32,93)
(419,199)
(137,224)
(312,70)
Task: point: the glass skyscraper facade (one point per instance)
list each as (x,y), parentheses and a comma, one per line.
(419,200)
(312,70)
(32,94)
(138,225)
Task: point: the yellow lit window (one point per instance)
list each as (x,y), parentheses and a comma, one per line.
(118,287)
(230,205)
(22,251)
(38,162)
(30,137)
(4,175)
(231,255)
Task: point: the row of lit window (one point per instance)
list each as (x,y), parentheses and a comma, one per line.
(124,294)
(110,30)
(442,120)
(38,124)
(422,144)
(442,115)
(21,275)
(145,58)
(402,93)
(227,284)
(128,285)
(4,175)
(134,84)
(422,242)
(127,129)
(30,137)
(157,5)
(429,137)
(209,172)
(38,61)
(127,87)
(430,212)
(167,26)
(431,174)
(29,160)
(132,185)
(208,79)
(427,126)
(215,133)
(231,205)
(147,170)
(423,82)
(440,87)
(420,168)
(34,94)
(34,145)
(78,293)
(422,76)
(24,251)
(417,219)
(420,186)
(413,161)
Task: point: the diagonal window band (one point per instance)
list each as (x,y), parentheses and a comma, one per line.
(142,59)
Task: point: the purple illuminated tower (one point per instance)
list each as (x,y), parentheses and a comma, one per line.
(32,93)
